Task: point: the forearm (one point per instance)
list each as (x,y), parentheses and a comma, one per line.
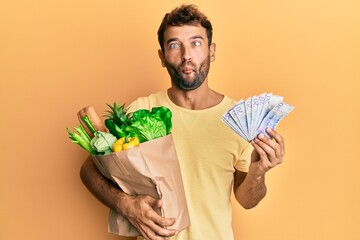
(251,191)
(102,188)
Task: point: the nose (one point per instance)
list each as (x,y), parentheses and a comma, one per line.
(186,53)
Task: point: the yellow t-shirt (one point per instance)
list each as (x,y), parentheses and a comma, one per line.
(208,152)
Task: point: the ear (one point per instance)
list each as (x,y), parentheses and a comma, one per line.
(162,57)
(212,52)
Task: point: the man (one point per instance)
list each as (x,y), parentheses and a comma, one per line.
(212,157)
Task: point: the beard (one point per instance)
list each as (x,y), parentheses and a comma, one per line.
(185,82)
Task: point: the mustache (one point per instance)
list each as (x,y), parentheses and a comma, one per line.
(188,64)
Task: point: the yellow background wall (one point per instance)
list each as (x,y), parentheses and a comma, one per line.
(59,56)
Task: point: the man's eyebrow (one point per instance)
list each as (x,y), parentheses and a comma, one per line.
(197,37)
(176,39)
(171,40)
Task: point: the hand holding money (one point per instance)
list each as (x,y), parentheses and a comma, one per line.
(251,117)
(268,152)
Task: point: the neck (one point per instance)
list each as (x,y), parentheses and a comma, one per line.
(201,98)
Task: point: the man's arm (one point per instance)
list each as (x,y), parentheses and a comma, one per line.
(101,187)
(139,210)
(250,188)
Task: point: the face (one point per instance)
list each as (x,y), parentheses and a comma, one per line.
(187,55)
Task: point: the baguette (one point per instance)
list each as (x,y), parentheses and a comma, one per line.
(94,118)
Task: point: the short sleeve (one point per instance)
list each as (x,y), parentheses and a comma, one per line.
(243,162)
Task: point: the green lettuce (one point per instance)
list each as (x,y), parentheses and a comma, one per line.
(147,125)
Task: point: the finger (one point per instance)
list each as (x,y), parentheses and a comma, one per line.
(275,147)
(161,231)
(165,222)
(278,138)
(154,236)
(156,231)
(144,233)
(150,230)
(259,150)
(158,223)
(263,162)
(151,235)
(268,146)
(156,204)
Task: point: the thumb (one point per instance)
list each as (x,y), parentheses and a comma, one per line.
(158,203)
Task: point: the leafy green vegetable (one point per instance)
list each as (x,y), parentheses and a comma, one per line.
(139,114)
(148,125)
(81,138)
(148,128)
(165,114)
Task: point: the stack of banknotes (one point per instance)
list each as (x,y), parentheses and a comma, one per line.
(252,116)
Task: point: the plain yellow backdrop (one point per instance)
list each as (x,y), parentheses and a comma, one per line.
(59,56)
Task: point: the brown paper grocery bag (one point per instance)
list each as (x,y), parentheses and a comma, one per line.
(150,169)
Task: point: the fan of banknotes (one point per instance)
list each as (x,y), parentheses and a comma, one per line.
(252,116)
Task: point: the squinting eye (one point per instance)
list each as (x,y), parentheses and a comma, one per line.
(196,43)
(174,45)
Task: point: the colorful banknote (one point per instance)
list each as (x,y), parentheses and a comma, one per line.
(252,116)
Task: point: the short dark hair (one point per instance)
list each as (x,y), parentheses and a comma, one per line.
(184,15)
